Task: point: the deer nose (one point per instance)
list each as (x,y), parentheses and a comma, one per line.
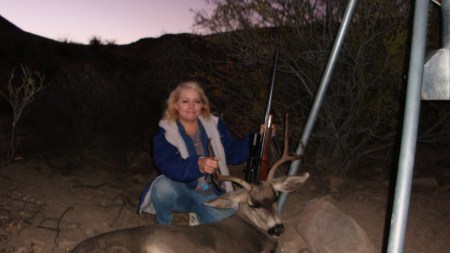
(276,230)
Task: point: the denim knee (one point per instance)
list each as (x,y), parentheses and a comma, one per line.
(164,197)
(163,191)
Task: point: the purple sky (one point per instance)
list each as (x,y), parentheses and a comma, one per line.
(121,21)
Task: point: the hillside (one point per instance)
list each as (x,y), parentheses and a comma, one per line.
(92,86)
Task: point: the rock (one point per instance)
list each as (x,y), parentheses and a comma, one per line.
(326,229)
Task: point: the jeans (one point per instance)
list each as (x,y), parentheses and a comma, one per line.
(169,195)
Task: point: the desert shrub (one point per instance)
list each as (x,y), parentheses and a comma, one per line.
(20,94)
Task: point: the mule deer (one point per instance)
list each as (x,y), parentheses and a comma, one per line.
(254,228)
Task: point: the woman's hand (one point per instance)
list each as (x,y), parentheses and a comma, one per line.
(208,165)
(273,129)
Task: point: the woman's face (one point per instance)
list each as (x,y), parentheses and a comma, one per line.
(189,105)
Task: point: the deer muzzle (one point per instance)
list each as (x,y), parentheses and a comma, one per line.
(276,230)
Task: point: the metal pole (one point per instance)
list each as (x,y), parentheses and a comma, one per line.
(321,92)
(445,5)
(410,125)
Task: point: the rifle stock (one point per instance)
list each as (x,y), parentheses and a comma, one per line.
(265,153)
(258,165)
(254,161)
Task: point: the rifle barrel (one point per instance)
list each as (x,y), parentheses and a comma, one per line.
(272,84)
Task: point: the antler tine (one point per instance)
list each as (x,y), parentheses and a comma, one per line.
(220,178)
(285,156)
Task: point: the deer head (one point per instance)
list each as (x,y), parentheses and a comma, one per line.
(258,201)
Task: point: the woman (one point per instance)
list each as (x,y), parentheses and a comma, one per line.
(180,153)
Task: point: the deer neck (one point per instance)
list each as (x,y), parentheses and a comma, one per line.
(244,217)
(246,226)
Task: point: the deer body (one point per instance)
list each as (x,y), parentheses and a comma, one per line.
(233,235)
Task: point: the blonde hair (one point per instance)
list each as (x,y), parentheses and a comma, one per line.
(171,112)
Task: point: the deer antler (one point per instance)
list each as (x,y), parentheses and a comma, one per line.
(218,177)
(284,157)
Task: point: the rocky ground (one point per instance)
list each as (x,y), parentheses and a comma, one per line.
(46,209)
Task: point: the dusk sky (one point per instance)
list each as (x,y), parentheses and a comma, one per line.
(120,21)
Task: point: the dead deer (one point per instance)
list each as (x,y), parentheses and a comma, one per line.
(254,228)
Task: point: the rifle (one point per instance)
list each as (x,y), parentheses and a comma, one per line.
(258,164)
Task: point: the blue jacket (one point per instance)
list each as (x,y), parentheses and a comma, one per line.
(170,162)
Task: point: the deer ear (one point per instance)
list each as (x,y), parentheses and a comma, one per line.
(229,200)
(288,183)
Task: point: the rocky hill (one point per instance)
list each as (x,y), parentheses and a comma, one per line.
(110,94)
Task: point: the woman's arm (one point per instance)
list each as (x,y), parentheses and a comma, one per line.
(169,162)
(237,151)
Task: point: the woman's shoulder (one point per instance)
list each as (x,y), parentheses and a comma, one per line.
(164,126)
(168,125)
(210,118)
(159,133)
(209,121)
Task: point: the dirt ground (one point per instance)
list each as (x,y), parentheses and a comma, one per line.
(46,209)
